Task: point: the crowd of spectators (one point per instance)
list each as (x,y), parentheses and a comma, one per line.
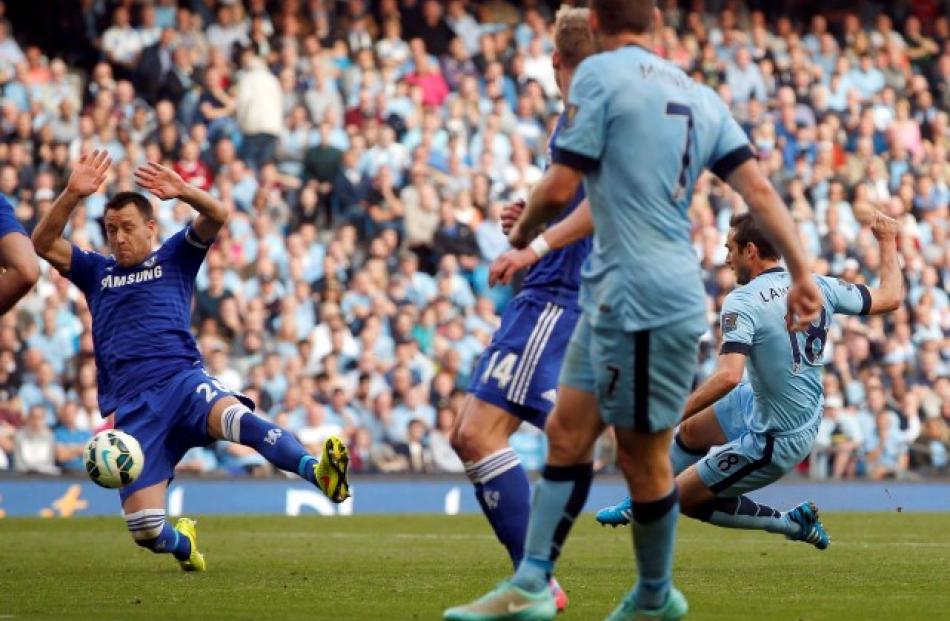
(366,149)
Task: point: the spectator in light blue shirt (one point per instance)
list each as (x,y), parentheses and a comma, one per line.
(464,25)
(70,439)
(56,344)
(414,407)
(745,78)
(491,240)
(45,391)
(866,78)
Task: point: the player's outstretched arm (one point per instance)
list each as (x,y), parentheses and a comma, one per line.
(555,190)
(728,374)
(88,174)
(888,296)
(578,225)
(804,298)
(166,184)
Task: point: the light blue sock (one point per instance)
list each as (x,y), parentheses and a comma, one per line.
(559,497)
(682,456)
(654,533)
(743,512)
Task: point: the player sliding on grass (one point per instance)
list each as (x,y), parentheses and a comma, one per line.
(766,428)
(516,377)
(18,268)
(639,132)
(150,373)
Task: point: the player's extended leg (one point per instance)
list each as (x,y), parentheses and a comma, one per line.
(480,438)
(231,420)
(144,512)
(799,524)
(559,496)
(693,439)
(19,269)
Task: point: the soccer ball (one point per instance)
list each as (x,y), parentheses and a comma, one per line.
(113,459)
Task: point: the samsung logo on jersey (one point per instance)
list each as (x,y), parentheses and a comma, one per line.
(130,279)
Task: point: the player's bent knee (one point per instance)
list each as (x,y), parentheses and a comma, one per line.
(563,446)
(641,470)
(146,527)
(229,422)
(480,432)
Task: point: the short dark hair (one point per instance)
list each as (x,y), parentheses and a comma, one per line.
(123,199)
(746,231)
(616,16)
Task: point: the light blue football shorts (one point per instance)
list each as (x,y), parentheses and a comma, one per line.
(641,379)
(751,460)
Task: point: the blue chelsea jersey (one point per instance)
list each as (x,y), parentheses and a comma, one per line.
(141,316)
(560,270)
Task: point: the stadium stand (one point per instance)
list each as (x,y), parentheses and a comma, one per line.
(366,150)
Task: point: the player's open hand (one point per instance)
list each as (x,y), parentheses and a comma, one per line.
(804,304)
(89,173)
(507,266)
(163,182)
(884,228)
(510,215)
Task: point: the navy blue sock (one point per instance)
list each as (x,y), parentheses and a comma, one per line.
(559,497)
(274,443)
(150,530)
(743,512)
(504,494)
(654,533)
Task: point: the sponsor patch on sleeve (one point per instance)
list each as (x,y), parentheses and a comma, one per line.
(729,322)
(569,114)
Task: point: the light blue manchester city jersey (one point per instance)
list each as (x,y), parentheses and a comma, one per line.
(784,367)
(642,132)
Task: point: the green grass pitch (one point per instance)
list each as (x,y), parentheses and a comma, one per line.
(402,568)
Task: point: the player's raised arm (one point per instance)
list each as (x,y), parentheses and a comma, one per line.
(804,298)
(88,174)
(166,184)
(576,226)
(888,296)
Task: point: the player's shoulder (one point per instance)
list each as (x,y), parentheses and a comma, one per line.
(92,257)
(832,286)
(740,297)
(827,283)
(593,74)
(594,62)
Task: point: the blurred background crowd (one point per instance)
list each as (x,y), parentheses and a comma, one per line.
(366,150)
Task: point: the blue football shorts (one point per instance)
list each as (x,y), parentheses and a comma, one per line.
(518,372)
(168,419)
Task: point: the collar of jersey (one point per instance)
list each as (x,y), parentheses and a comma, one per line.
(772,270)
(647,50)
(116,266)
